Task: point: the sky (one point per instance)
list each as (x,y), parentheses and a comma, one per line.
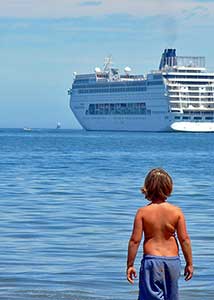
(42,43)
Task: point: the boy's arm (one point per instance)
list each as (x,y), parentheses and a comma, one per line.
(134,243)
(185,243)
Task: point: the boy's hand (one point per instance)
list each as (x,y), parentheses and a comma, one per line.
(130,273)
(188,272)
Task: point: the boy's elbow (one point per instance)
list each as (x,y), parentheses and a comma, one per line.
(185,240)
(134,242)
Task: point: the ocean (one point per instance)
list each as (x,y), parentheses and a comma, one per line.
(67,203)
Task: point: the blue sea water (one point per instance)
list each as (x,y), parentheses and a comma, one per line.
(67,203)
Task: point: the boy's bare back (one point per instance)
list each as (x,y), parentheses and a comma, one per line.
(160,222)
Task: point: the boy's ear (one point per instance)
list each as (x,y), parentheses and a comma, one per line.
(143,190)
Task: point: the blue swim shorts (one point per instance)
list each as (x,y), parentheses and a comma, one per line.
(158,278)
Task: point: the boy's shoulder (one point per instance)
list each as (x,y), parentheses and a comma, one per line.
(172,206)
(175,208)
(167,205)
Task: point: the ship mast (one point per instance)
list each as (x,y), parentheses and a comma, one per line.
(107,64)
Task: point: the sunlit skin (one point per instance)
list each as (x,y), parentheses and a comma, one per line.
(158,222)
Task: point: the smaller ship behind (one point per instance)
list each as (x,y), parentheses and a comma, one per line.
(179,96)
(27,129)
(58,126)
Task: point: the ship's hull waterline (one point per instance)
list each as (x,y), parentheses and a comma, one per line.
(124,124)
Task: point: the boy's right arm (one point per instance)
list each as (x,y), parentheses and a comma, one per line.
(185,243)
(134,243)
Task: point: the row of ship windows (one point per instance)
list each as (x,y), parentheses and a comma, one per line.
(190,99)
(157,76)
(191,105)
(112,90)
(190,94)
(114,84)
(190,76)
(187,71)
(196,118)
(201,113)
(159,81)
(80,81)
(142,83)
(190,88)
(118,109)
(190,82)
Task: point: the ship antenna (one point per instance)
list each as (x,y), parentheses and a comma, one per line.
(107,64)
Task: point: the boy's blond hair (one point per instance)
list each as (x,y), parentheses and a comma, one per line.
(157,185)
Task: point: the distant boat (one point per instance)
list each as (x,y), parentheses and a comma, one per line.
(27,129)
(58,126)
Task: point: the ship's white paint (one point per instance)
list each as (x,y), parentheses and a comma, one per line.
(138,123)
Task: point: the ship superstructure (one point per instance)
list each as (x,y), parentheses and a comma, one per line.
(179,96)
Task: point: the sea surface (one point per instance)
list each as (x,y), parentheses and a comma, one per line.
(67,203)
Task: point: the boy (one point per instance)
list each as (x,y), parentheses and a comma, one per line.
(159,221)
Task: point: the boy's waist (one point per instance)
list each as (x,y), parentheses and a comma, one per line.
(148,256)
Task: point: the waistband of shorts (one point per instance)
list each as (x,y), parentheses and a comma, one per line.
(148,256)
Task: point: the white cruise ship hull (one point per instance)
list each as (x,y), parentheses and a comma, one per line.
(193,127)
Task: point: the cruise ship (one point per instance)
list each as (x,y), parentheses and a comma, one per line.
(179,96)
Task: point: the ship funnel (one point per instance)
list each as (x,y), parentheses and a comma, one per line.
(168,59)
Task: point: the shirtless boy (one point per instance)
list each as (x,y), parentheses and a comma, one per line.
(159,222)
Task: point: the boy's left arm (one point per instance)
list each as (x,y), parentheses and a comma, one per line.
(134,243)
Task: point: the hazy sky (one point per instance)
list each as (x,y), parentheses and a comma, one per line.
(42,42)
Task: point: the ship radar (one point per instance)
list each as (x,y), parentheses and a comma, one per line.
(127,70)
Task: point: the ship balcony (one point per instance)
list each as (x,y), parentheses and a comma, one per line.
(191,89)
(183,79)
(191,92)
(191,101)
(189,85)
(192,97)
(191,107)
(200,108)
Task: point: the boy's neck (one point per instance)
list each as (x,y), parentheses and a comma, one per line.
(158,201)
